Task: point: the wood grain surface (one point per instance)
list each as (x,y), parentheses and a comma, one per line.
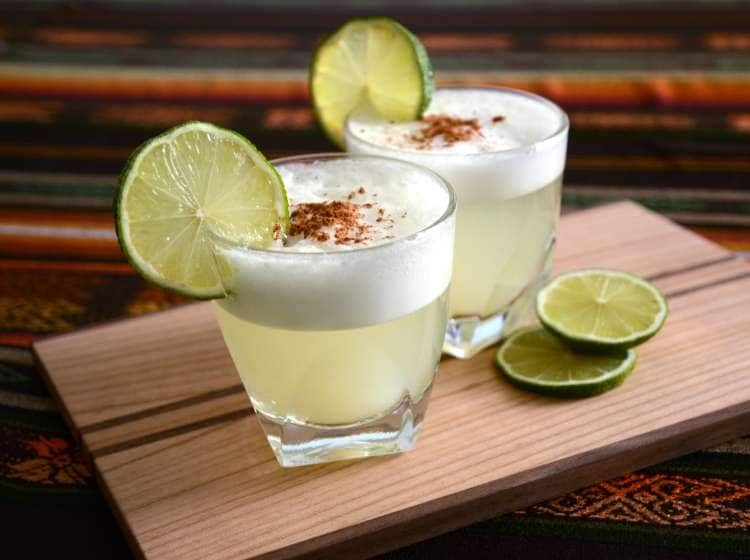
(159,407)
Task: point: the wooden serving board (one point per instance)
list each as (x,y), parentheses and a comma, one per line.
(159,407)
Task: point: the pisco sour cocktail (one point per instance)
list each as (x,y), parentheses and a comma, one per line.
(503,151)
(330,292)
(337,331)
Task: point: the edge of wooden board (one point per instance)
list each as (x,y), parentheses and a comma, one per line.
(429,519)
(130,537)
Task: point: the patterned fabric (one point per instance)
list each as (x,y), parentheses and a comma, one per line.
(659,100)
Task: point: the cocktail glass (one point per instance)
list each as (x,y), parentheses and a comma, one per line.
(338,349)
(508,208)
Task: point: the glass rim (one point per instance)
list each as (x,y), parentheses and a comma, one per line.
(523,149)
(449,211)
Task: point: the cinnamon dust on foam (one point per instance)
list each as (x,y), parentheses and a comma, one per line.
(342,219)
(451,129)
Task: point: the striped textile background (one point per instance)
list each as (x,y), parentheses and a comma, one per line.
(659,100)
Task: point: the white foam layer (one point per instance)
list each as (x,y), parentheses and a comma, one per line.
(518,149)
(313,286)
(394,200)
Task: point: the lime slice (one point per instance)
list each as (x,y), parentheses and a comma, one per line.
(601,310)
(372,63)
(534,359)
(186,188)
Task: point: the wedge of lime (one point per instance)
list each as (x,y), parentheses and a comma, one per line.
(598,310)
(374,64)
(184,189)
(536,360)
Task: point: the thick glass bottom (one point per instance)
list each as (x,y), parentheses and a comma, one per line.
(296,444)
(466,336)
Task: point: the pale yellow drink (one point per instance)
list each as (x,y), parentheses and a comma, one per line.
(507,173)
(336,376)
(337,333)
(501,245)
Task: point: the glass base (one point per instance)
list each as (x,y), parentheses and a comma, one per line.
(467,336)
(296,444)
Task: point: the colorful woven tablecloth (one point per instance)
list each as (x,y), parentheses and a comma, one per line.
(659,100)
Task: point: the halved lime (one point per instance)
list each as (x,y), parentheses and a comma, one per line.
(534,359)
(187,187)
(372,63)
(600,310)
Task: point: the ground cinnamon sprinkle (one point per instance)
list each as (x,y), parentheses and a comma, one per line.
(360,190)
(311,219)
(450,128)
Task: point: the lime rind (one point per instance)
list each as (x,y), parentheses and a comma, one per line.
(597,343)
(546,347)
(423,62)
(124,235)
(358,96)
